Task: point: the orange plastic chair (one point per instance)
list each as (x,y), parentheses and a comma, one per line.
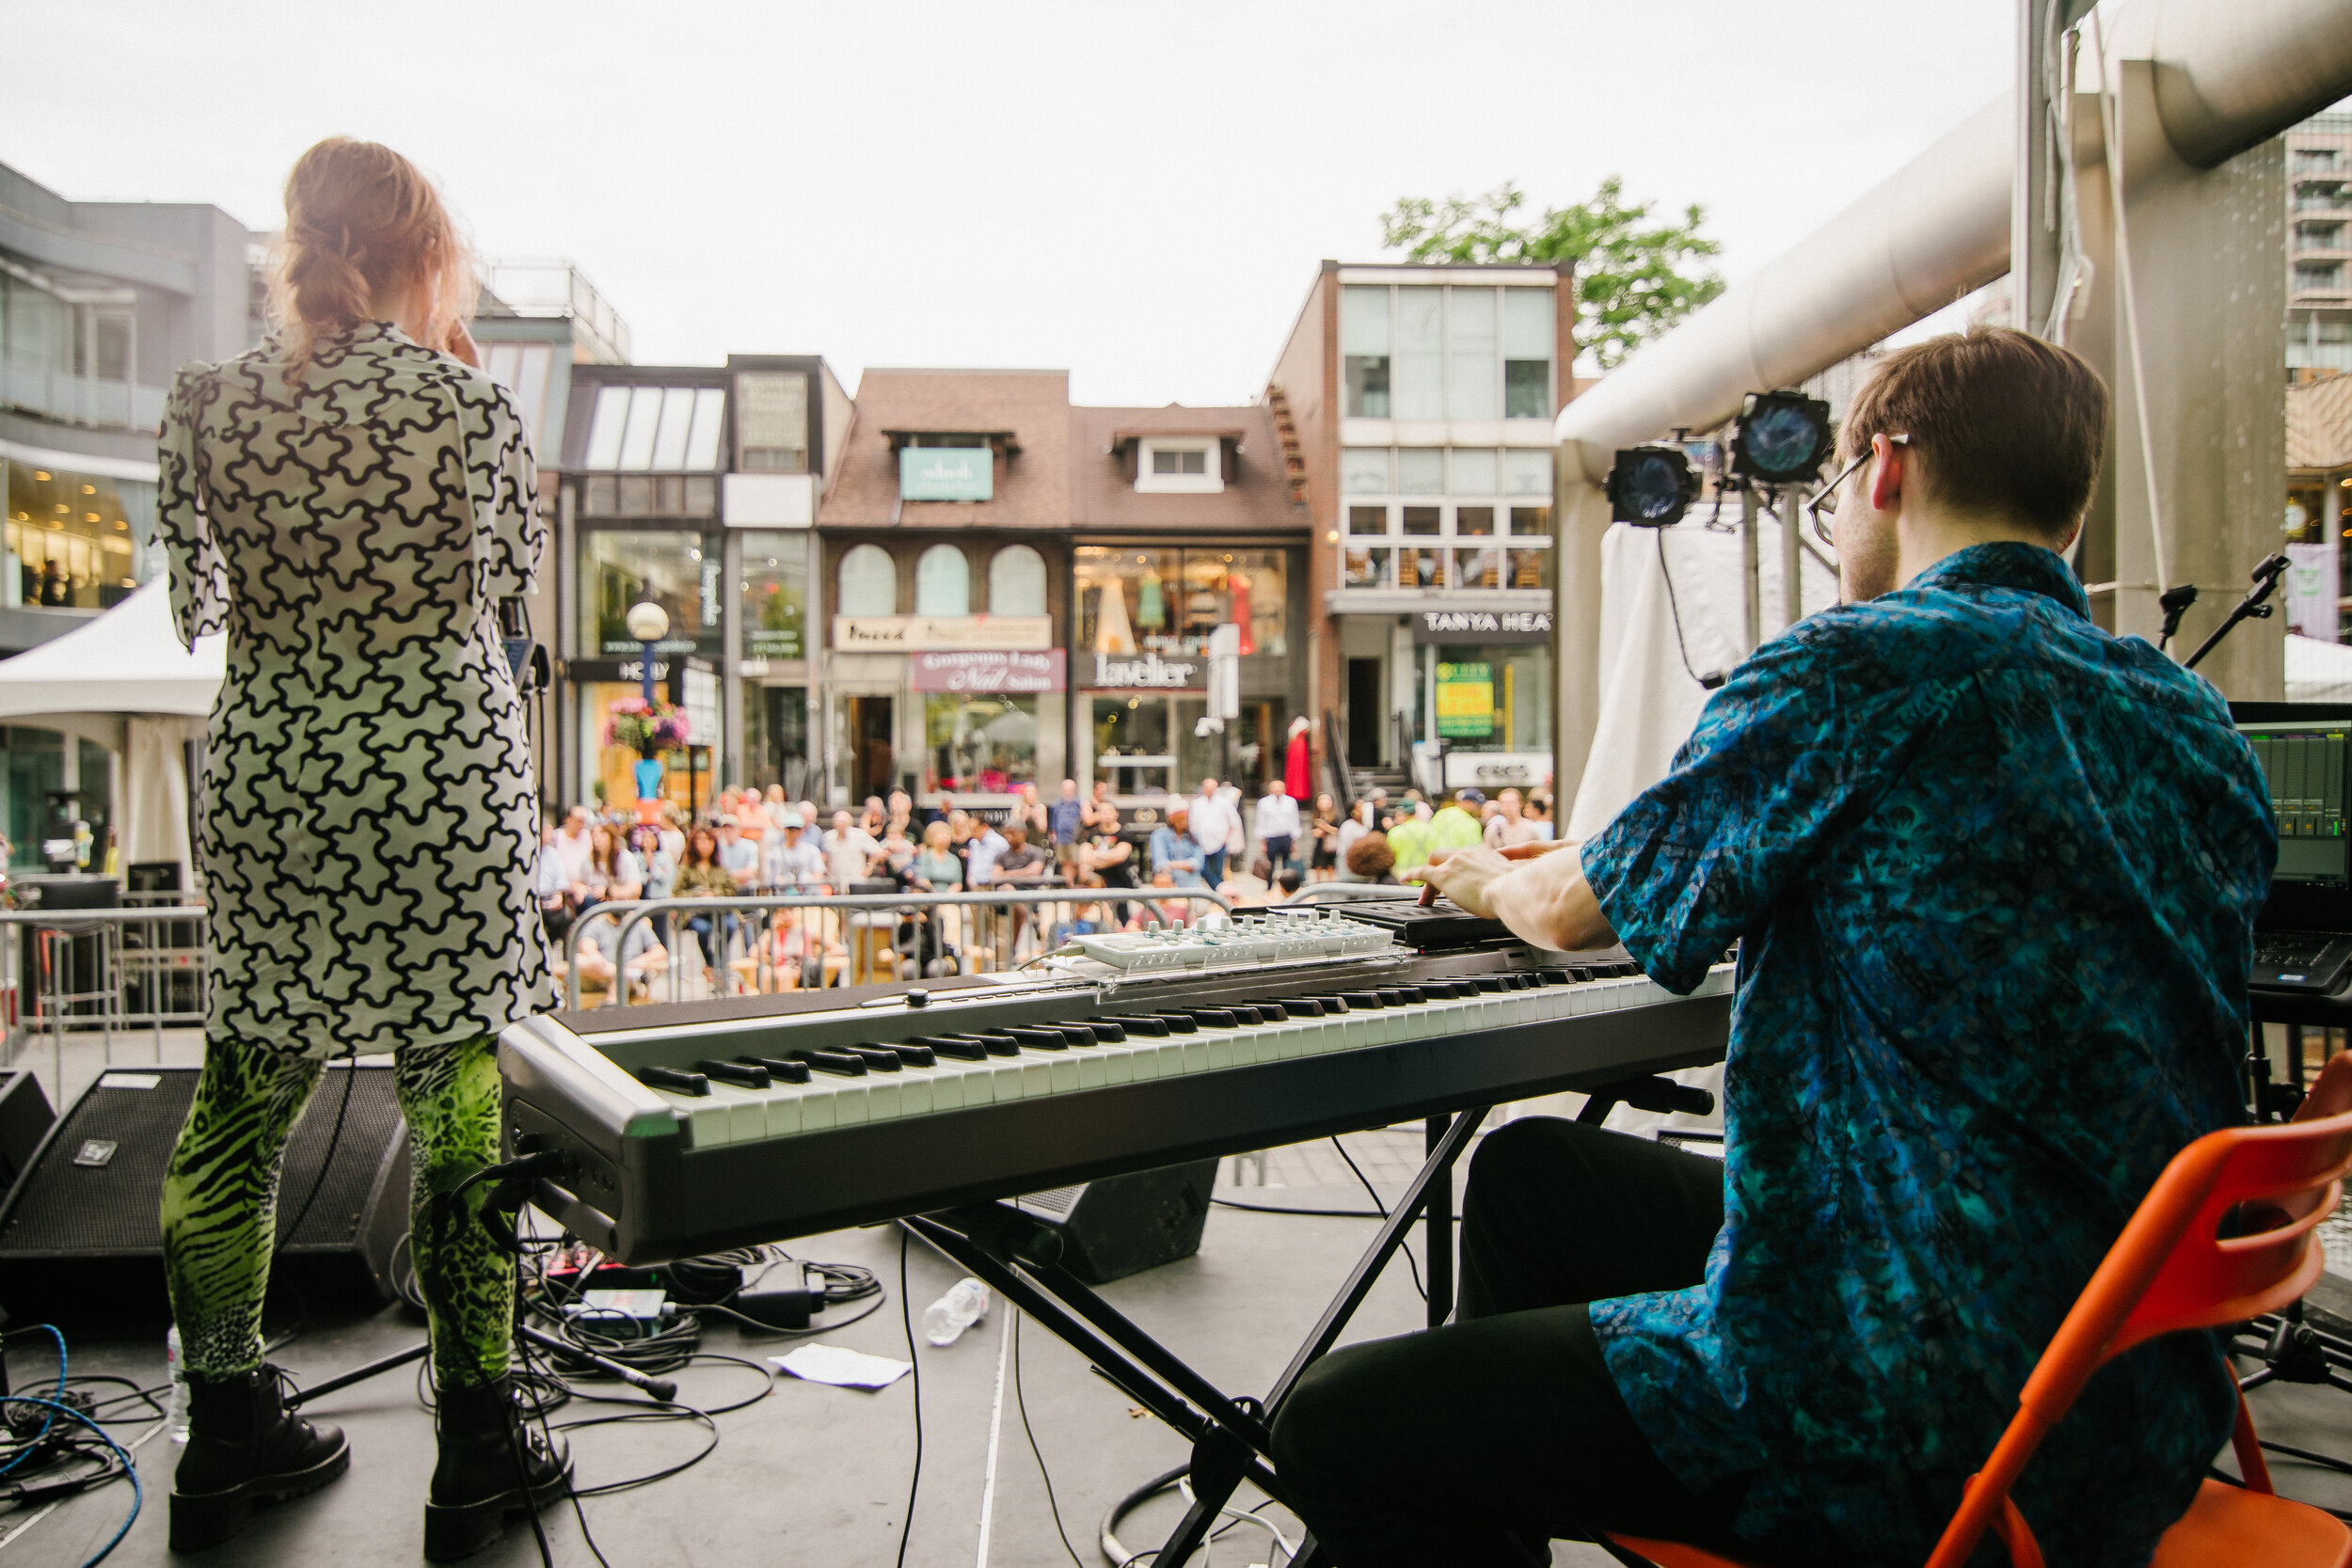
(2174,1270)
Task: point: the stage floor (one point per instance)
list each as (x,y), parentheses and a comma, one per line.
(818,1475)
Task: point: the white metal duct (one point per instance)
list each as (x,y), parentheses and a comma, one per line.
(2229,74)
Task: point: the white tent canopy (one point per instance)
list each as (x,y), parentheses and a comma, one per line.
(124,680)
(2318,671)
(128,661)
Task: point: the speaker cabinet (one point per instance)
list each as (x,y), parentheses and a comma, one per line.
(80,1236)
(1124,1224)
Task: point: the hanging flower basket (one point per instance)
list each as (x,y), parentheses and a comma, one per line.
(647,730)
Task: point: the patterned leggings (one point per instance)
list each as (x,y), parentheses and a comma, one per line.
(220,1202)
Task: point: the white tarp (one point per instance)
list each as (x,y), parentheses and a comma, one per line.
(1649,703)
(2316,671)
(128,661)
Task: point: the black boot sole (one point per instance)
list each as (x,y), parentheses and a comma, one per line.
(203,1519)
(455,1530)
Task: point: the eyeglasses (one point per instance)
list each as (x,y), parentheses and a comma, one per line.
(1824,503)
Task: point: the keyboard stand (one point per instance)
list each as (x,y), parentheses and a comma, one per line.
(1229,1434)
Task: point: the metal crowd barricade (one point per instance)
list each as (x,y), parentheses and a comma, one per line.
(845,940)
(119,971)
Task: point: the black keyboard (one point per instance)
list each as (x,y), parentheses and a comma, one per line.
(694,1128)
(2304,963)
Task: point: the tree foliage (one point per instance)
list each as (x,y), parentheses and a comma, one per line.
(1635,276)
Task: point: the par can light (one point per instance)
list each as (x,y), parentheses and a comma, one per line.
(1781,437)
(1651,486)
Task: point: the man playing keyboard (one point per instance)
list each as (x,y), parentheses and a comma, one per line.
(1992,873)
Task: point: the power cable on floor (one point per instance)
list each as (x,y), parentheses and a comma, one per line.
(915,1376)
(1404,1247)
(1021,1403)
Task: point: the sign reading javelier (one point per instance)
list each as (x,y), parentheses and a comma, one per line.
(893,634)
(1120,673)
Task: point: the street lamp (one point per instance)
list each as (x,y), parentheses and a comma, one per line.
(649,623)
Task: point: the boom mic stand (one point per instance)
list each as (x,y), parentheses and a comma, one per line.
(2252,607)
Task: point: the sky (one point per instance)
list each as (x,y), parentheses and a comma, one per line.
(1139,193)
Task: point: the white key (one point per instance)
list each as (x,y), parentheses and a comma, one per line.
(706,1116)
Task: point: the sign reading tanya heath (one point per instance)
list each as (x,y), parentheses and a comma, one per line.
(1491,627)
(988,670)
(946,473)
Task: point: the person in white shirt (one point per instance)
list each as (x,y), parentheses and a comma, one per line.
(1509,827)
(850,849)
(979,865)
(1216,827)
(574,846)
(739,856)
(1277,825)
(795,865)
(1357,824)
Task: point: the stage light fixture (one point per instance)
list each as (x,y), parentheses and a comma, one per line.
(1651,486)
(1781,437)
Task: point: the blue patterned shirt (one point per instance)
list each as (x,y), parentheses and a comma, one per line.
(1994,873)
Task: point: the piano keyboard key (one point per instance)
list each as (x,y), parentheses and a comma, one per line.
(931,1073)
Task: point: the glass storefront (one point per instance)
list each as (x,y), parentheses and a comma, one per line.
(975,744)
(678,569)
(74,541)
(1145,743)
(1487,699)
(686,777)
(775,739)
(1137,599)
(776,595)
(32,765)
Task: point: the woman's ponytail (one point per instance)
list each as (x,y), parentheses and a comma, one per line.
(363,225)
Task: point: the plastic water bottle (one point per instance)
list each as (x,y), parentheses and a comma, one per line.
(965,1303)
(176,1402)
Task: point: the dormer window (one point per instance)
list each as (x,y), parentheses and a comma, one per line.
(1184,466)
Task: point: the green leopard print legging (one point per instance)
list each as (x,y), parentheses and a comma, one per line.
(220,1202)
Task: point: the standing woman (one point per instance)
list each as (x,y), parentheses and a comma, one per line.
(348,502)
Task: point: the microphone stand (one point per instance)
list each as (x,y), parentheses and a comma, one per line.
(2265,582)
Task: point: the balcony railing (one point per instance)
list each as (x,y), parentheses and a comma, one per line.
(44,389)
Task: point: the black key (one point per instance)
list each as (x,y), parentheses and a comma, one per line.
(1365,999)
(998,1043)
(1439,991)
(1276,1012)
(1076,1033)
(957,1046)
(1212,1017)
(880,1058)
(782,1072)
(1139,1024)
(1493,983)
(1397,996)
(745,1075)
(1624,971)
(1303,1006)
(1332,1005)
(914,1055)
(1247,1016)
(1182,1023)
(841,1062)
(672,1078)
(1039,1039)
(1562,976)
(1105,1032)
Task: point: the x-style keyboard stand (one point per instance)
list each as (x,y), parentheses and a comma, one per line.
(1231,1434)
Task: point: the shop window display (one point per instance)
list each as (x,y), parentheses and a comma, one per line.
(984,745)
(73,541)
(1134,600)
(776,595)
(676,570)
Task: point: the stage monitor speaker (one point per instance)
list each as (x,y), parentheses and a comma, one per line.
(80,1236)
(24,1120)
(1124,1224)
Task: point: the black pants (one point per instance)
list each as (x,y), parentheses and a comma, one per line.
(1477,1443)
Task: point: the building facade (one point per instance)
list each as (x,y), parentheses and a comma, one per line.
(2319,244)
(694,487)
(1418,403)
(100,303)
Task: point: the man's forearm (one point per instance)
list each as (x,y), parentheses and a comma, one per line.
(1547,902)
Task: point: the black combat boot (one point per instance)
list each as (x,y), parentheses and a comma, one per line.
(245,1447)
(494,1466)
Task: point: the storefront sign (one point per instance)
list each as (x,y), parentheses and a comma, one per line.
(1493,627)
(946,473)
(988,670)
(631,670)
(893,634)
(1466,701)
(1118,673)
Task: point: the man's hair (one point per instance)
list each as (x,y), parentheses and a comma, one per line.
(2006,422)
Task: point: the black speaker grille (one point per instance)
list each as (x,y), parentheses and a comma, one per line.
(68,1209)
